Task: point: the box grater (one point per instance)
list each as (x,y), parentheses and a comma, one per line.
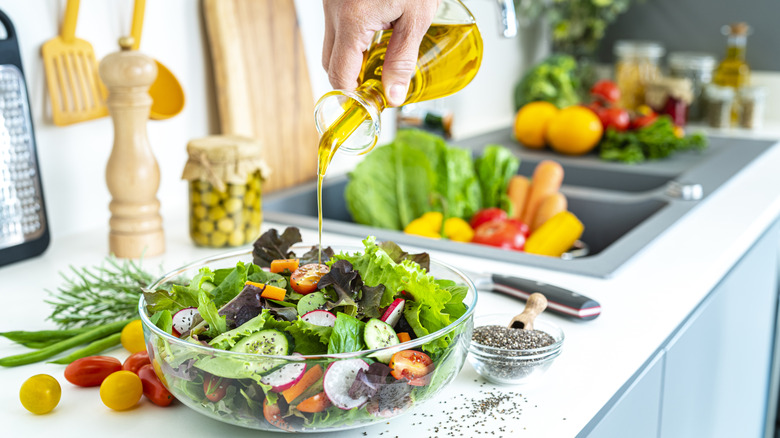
(23,227)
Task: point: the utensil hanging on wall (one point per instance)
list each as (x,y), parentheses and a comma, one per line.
(166,91)
(75,89)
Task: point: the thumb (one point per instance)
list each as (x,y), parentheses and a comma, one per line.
(401,59)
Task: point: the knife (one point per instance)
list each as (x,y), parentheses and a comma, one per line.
(559,300)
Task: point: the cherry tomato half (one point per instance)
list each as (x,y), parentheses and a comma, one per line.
(215,387)
(304,280)
(414,366)
(135,361)
(92,370)
(507,234)
(487,215)
(40,394)
(121,390)
(154,390)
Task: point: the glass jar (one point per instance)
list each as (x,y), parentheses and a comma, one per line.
(720,101)
(225,176)
(698,68)
(671,96)
(637,64)
(751,107)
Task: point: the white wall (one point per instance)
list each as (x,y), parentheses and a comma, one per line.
(73,158)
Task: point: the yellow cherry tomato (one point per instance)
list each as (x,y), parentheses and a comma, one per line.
(40,394)
(121,390)
(132,337)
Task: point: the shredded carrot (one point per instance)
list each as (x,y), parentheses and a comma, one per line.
(404,337)
(312,375)
(280,265)
(273,292)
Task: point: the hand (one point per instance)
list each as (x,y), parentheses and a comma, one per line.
(349,28)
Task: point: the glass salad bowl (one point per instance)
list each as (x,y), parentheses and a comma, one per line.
(297,392)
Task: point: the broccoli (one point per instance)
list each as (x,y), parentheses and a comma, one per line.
(553,80)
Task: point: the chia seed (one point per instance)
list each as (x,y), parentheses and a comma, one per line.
(511,339)
(508,366)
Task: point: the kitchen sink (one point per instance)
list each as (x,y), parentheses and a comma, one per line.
(623,207)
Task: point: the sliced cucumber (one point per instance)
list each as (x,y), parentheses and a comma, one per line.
(310,302)
(379,334)
(270,341)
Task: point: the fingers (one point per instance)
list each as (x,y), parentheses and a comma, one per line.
(328,38)
(345,61)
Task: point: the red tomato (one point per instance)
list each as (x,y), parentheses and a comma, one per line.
(600,112)
(605,90)
(487,215)
(508,234)
(304,280)
(154,390)
(92,370)
(414,366)
(616,118)
(215,387)
(135,361)
(642,121)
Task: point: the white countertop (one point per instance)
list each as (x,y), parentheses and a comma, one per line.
(598,357)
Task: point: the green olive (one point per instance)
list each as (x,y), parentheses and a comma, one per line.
(218,239)
(206,227)
(233,205)
(236,190)
(195,197)
(200,238)
(217,213)
(226,225)
(236,238)
(199,211)
(211,198)
(256,219)
(201,186)
(250,199)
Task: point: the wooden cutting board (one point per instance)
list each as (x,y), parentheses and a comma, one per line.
(262,83)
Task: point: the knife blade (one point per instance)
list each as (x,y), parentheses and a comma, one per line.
(559,300)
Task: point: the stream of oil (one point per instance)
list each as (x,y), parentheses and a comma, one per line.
(449,58)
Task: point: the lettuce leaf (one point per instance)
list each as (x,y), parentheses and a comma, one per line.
(347,335)
(495,167)
(208,311)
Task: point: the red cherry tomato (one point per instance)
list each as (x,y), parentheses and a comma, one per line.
(507,234)
(135,361)
(642,121)
(414,366)
(154,390)
(605,90)
(599,110)
(304,280)
(215,387)
(487,215)
(92,370)
(616,118)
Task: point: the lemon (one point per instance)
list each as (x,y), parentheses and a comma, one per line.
(531,123)
(574,130)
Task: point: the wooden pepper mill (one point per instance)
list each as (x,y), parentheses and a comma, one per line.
(132,173)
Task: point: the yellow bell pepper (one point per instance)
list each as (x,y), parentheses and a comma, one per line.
(555,236)
(458,230)
(427,225)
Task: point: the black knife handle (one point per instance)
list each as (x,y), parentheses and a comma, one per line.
(559,300)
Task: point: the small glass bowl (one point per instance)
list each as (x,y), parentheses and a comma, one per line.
(514,367)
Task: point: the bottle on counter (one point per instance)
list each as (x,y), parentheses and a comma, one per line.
(719,100)
(225,175)
(733,71)
(637,64)
(751,107)
(698,68)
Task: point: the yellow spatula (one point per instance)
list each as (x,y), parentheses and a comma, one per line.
(75,89)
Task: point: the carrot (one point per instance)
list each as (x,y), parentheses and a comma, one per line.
(517,190)
(273,292)
(273,414)
(404,337)
(546,180)
(308,379)
(280,265)
(315,403)
(551,206)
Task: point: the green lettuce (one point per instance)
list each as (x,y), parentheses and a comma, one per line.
(495,168)
(347,335)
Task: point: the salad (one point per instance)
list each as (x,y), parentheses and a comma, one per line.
(332,337)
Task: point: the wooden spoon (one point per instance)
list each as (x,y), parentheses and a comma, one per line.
(533,307)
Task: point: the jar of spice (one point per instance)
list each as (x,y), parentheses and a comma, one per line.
(751,107)
(698,68)
(637,64)
(225,174)
(720,100)
(671,96)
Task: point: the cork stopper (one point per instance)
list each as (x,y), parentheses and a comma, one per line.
(737,29)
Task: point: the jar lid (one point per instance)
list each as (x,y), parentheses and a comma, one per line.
(691,61)
(222,159)
(752,93)
(635,48)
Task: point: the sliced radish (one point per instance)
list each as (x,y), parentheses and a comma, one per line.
(393,313)
(320,317)
(182,320)
(286,376)
(338,380)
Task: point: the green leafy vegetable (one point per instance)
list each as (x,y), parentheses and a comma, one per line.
(347,335)
(552,80)
(208,311)
(495,167)
(655,141)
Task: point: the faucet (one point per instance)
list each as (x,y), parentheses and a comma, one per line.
(507,18)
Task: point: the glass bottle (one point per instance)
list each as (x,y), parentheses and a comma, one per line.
(733,71)
(449,58)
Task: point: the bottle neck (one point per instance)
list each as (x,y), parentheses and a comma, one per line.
(372,92)
(735,49)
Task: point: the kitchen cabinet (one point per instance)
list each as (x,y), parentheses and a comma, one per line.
(713,376)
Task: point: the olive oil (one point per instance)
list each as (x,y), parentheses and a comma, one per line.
(449,58)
